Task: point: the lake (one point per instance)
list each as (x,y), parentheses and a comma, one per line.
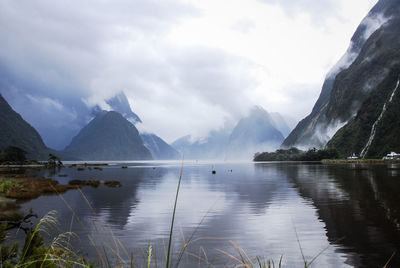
(338,215)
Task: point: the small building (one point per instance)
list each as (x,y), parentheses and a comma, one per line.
(392,155)
(352,157)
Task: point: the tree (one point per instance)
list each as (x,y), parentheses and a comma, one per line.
(54,161)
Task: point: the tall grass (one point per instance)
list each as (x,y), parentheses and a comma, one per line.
(109,251)
(34,253)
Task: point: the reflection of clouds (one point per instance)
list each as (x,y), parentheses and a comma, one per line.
(275,233)
(155,206)
(255,205)
(261,222)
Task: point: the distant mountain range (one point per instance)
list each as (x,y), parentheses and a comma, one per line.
(259,131)
(108,136)
(357,112)
(359,96)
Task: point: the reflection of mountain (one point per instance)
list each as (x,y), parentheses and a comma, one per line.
(120,202)
(359,205)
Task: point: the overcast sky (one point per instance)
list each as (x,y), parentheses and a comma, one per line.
(186,66)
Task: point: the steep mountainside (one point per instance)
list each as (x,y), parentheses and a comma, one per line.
(254,133)
(374,132)
(119,103)
(280,124)
(370,59)
(159,149)
(109,136)
(15,131)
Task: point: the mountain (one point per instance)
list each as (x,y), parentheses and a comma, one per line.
(211,147)
(119,103)
(374,131)
(109,136)
(15,131)
(254,133)
(370,60)
(159,149)
(280,123)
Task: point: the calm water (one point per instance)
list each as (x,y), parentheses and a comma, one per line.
(349,213)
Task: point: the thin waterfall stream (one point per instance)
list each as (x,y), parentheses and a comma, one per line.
(374,126)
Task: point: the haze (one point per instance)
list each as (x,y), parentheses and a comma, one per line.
(187,67)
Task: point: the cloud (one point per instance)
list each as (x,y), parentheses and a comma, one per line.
(319,10)
(62,51)
(373,23)
(243,25)
(186,66)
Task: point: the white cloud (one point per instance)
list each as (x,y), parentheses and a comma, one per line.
(185,65)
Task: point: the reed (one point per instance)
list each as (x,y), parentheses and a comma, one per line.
(112,253)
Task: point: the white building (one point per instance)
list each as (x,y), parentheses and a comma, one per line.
(352,157)
(392,155)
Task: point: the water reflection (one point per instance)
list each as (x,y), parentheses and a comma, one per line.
(359,203)
(261,206)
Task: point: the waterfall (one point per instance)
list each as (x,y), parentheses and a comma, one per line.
(374,126)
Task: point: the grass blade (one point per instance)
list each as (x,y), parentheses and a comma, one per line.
(173,218)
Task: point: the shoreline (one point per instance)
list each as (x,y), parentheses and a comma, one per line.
(360,161)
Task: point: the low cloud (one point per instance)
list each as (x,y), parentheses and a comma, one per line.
(373,23)
(186,67)
(320,10)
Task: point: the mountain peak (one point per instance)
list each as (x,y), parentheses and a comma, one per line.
(120,104)
(109,136)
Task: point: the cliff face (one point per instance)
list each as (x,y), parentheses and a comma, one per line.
(374,131)
(15,131)
(371,58)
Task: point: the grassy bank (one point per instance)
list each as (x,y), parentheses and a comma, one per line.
(360,161)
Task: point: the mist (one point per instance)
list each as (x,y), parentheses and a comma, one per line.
(186,67)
